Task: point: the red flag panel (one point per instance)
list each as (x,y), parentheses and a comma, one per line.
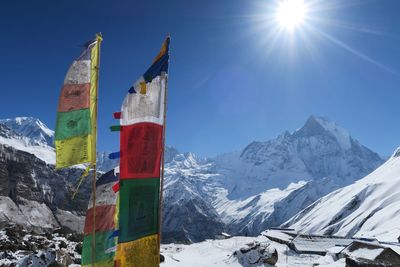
(74,97)
(104,219)
(141,147)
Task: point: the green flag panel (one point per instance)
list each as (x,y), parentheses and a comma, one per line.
(104,248)
(139,204)
(73,123)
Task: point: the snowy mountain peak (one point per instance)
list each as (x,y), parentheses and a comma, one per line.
(31,128)
(323,126)
(183,160)
(318,150)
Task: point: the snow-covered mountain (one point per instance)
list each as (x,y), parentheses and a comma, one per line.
(242,192)
(33,136)
(21,134)
(268,182)
(318,150)
(369,207)
(32,129)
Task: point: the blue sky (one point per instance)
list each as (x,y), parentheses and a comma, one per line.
(232,78)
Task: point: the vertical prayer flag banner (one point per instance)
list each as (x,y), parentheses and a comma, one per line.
(75,134)
(141,146)
(106,223)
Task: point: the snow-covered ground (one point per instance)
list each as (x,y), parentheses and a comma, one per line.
(220,253)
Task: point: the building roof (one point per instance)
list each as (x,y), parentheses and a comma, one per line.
(335,249)
(318,244)
(365,250)
(278,236)
(225,234)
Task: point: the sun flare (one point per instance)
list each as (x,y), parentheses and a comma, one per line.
(291,13)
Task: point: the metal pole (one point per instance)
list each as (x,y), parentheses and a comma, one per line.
(162,158)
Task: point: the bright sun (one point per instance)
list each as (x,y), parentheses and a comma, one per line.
(291,13)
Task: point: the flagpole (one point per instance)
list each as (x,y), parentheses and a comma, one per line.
(94,147)
(94,214)
(162,161)
(162,164)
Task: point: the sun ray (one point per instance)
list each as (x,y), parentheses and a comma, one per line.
(355,52)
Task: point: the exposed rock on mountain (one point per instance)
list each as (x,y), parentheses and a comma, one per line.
(34,195)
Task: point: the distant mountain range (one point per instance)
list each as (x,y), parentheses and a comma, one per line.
(242,192)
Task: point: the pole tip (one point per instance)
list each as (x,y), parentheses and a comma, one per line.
(99,36)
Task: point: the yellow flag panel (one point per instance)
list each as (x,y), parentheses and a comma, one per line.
(74,151)
(143,252)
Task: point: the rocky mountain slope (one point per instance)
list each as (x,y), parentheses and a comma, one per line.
(369,207)
(37,197)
